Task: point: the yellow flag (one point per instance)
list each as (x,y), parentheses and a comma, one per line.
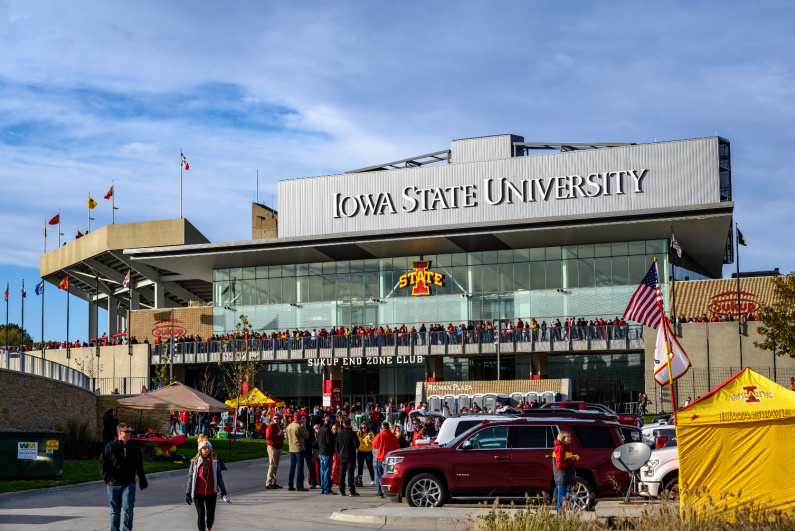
(91,203)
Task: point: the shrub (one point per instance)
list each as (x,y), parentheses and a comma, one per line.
(80,443)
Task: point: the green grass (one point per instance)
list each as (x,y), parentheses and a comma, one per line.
(88,470)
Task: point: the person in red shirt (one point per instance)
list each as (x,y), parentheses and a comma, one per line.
(384,442)
(205,481)
(564,466)
(274,434)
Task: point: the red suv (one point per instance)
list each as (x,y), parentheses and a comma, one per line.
(506,459)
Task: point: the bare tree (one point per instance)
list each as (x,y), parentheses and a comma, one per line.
(88,363)
(238,365)
(207,383)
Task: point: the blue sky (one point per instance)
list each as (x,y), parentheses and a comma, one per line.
(97,91)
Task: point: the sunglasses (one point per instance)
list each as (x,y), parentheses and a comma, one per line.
(126,431)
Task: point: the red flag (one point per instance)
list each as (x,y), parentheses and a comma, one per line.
(127,279)
(6,293)
(79,234)
(110,193)
(56,220)
(64,284)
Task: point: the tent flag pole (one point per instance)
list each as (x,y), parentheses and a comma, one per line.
(670,374)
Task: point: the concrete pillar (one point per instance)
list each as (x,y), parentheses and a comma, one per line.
(332,383)
(135,300)
(93,318)
(538,366)
(112,313)
(434,369)
(160,296)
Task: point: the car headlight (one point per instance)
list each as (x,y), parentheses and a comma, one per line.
(391,463)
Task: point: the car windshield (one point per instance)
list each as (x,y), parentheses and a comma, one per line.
(460,436)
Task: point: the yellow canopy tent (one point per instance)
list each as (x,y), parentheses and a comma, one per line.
(255,397)
(739,439)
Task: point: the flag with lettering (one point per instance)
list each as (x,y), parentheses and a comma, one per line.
(676,246)
(56,220)
(109,194)
(646,304)
(64,284)
(184,162)
(40,288)
(679,361)
(91,204)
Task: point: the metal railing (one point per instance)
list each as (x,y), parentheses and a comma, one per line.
(124,385)
(455,342)
(25,363)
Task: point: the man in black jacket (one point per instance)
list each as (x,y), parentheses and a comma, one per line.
(326,441)
(119,462)
(347,444)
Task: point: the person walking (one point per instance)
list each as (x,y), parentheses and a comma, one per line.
(274,434)
(563,466)
(119,463)
(205,481)
(365,454)
(384,442)
(296,435)
(347,445)
(326,444)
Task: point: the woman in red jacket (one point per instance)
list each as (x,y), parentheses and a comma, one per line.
(563,465)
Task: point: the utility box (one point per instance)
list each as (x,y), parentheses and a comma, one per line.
(28,454)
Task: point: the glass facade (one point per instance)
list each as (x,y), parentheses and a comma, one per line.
(592,280)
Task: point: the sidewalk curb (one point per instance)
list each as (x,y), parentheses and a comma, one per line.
(98,483)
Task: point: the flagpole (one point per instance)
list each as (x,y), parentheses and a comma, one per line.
(45,235)
(42,322)
(180,183)
(8,285)
(59,227)
(67,317)
(664,324)
(673,277)
(22,327)
(113,202)
(739,311)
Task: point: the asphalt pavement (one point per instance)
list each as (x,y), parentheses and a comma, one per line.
(162,506)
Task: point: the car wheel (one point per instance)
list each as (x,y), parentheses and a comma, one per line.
(581,497)
(671,489)
(426,490)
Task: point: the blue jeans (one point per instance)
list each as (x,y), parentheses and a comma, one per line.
(326,463)
(563,491)
(121,498)
(174,429)
(379,471)
(296,459)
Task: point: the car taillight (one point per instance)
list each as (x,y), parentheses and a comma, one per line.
(661,441)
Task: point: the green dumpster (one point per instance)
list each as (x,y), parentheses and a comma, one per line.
(28,454)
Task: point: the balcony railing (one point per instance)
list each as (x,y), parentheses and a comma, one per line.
(558,339)
(25,363)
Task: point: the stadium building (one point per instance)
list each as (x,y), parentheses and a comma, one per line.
(490,231)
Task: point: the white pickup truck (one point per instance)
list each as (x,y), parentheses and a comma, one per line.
(660,474)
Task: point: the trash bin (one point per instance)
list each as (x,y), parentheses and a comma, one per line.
(27,454)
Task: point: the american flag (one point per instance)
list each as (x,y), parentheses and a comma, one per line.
(184,162)
(646,304)
(127,279)
(676,246)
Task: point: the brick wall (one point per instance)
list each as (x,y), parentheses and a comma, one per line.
(148,324)
(32,402)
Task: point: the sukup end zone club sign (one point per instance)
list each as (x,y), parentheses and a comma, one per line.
(421,278)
